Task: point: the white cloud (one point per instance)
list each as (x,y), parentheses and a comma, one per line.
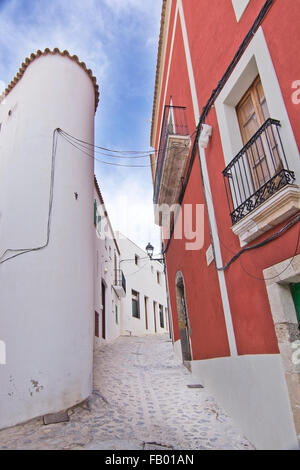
(145,6)
(96,31)
(130,208)
(76,26)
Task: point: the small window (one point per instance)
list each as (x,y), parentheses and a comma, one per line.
(161,316)
(95,213)
(136,259)
(135,304)
(99,224)
(158,277)
(117,314)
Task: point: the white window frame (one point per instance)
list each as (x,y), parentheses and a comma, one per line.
(255,61)
(239,7)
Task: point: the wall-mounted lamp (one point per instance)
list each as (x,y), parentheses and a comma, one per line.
(149,250)
(205,134)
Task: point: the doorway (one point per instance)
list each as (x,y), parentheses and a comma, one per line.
(103,289)
(97,324)
(183,321)
(146,312)
(154,315)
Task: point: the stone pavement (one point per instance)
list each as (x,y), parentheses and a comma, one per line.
(140,401)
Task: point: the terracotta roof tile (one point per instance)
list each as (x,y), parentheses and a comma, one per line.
(37,54)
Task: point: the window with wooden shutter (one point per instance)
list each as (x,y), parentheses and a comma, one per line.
(252,112)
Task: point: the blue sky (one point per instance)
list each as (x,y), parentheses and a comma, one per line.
(118,40)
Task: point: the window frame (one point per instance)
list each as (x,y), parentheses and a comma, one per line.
(256,60)
(135,297)
(161,315)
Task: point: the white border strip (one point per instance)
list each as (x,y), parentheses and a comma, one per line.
(207,189)
(169,66)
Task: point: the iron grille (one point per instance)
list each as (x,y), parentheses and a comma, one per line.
(174,123)
(257,172)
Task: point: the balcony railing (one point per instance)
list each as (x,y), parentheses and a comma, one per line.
(174,124)
(120,281)
(257,172)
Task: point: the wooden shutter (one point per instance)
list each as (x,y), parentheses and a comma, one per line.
(252,112)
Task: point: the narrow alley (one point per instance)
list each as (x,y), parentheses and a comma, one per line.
(141,400)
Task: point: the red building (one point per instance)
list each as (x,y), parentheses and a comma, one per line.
(226,128)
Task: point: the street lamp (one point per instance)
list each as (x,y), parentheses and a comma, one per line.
(149,250)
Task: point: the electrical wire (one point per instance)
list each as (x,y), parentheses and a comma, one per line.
(214,94)
(135,272)
(278,274)
(146,152)
(81,145)
(241,264)
(104,162)
(272,237)
(22,251)
(86,146)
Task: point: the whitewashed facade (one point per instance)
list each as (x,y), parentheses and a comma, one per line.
(46,294)
(144,309)
(108,289)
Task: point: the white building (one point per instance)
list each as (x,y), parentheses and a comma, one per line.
(144,309)
(110,285)
(46,223)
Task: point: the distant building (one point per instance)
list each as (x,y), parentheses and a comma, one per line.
(226,125)
(46,237)
(110,284)
(144,309)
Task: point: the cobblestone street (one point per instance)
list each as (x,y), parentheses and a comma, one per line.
(140,401)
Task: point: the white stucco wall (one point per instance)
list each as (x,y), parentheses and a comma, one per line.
(105,250)
(253,391)
(46,297)
(143,279)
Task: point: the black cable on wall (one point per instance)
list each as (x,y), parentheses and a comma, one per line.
(205,110)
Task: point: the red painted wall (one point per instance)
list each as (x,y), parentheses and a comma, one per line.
(214,37)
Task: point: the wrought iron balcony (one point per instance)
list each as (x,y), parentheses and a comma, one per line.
(120,282)
(257,172)
(172,155)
